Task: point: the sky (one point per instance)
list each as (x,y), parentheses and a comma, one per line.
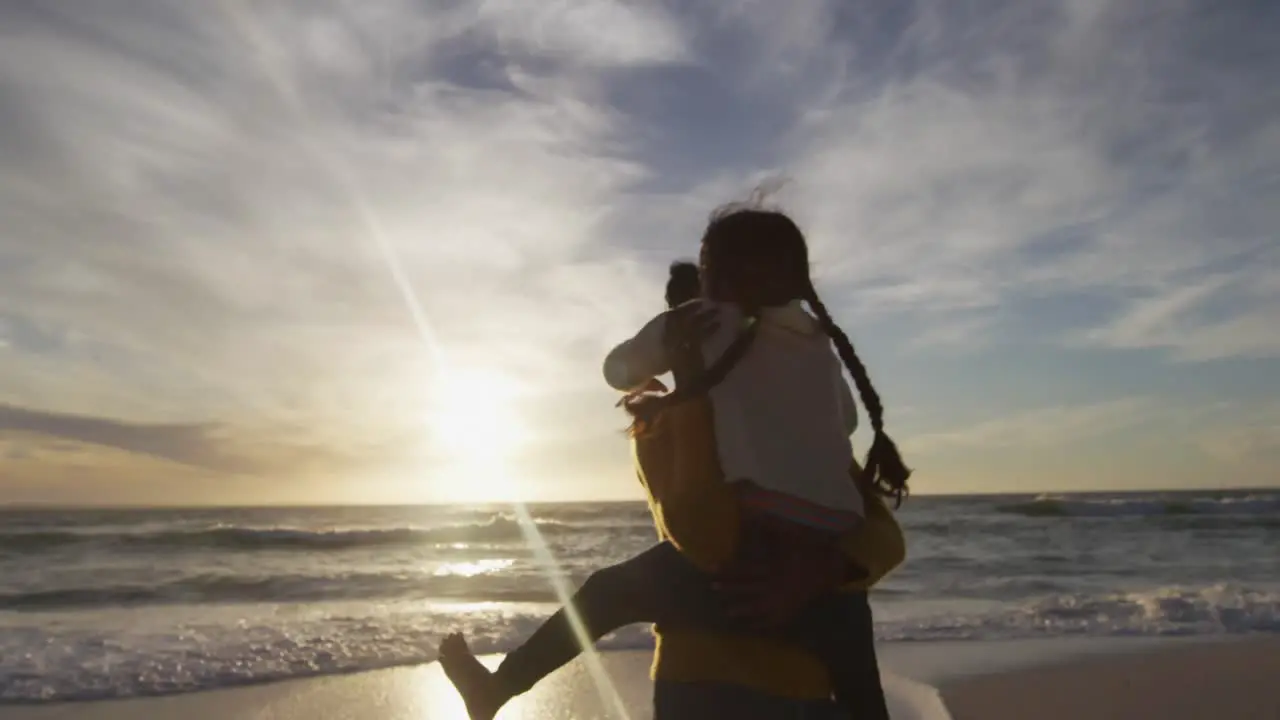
(316,251)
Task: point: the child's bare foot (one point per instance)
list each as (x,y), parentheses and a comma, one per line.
(475,683)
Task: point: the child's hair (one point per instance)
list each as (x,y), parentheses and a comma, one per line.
(683,283)
(758,258)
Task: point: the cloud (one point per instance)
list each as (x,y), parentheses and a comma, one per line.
(1060,426)
(1224,315)
(594,32)
(1243,435)
(1039,152)
(201,200)
(35,443)
(1237,445)
(184,444)
(205,204)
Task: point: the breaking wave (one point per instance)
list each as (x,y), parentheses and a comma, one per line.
(498,529)
(1261,506)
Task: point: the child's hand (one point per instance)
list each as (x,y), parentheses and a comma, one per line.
(653,386)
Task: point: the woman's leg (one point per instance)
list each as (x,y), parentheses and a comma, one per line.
(699,701)
(839,630)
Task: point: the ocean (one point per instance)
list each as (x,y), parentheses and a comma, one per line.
(117,603)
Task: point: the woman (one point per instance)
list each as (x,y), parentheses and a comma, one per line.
(705,673)
(773,279)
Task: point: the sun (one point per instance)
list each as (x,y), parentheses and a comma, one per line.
(473,417)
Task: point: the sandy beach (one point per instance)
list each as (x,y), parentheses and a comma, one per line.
(1171,680)
(1181,681)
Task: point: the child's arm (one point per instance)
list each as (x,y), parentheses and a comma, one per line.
(635,362)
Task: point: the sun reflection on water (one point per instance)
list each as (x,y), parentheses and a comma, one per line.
(473,568)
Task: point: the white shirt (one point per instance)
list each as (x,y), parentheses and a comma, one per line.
(783,414)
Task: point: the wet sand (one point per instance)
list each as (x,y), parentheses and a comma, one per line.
(1046,680)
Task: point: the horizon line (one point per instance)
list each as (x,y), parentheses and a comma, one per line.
(12,507)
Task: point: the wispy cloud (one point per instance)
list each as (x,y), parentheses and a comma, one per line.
(1224,315)
(1038,152)
(1061,426)
(185,444)
(598,32)
(190,217)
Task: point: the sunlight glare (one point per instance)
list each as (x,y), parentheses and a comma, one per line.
(472,415)
(488,407)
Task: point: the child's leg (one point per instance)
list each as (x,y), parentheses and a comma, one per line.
(647,588)
(658,585)
(662,586)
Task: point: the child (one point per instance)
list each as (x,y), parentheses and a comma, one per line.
(683,284)
(782,414)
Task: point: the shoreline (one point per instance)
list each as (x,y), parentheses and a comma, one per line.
(1170,678)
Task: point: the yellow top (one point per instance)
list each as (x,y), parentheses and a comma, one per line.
(695,509)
